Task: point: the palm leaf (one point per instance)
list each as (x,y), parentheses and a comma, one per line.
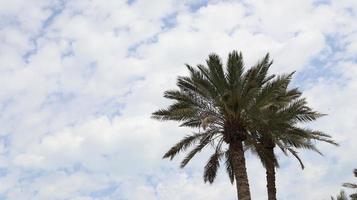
(210,170)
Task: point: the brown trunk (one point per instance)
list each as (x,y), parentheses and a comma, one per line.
(240,170)
(270,173)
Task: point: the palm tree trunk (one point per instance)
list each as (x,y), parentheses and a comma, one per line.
(240,170)
(270,175)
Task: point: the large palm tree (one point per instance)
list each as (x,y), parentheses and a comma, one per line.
(352,186)
(223,103)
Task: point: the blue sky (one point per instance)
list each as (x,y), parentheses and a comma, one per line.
(80,79)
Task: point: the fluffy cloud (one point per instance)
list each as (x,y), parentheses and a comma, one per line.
(80,79)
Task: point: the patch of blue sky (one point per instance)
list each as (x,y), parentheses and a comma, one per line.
(118,31)
(90,69)
(74,168)
(69,51)
(334,42)
(3,172)
(234,29)
(190,172)
(5,104)
(26,56)
(169,21)
(152,180)
(56,10)
(172,168)
(110,108)
(28,176)
(351,11)
(248,8)
(130,2)
(338,173)
(107,191)
(131,81)
(321,67)
(338,44)
(196,5)
(134,79)
(321,2)
(58,98)
(6,20)
(3,197)
(152,39)
(5,140)
(131,52)
(316,70)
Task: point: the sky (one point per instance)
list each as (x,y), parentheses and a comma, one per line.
(80,78)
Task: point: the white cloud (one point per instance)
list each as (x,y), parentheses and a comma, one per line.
(80,79)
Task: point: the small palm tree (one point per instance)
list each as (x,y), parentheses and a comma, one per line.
(341,196)
(281,131)
(352,186)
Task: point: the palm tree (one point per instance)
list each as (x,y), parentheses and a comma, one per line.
(236,108)
(222,103)
(341,196)
(281,130)
(352,186)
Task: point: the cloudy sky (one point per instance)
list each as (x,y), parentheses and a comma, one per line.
(79,79)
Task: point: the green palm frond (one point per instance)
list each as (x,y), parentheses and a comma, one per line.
(202,143)
(235,68)
(229,165)
(210,170)
(271,91)
(298,111)
(295,154)
(216,72)
(350,185)
(183,145)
